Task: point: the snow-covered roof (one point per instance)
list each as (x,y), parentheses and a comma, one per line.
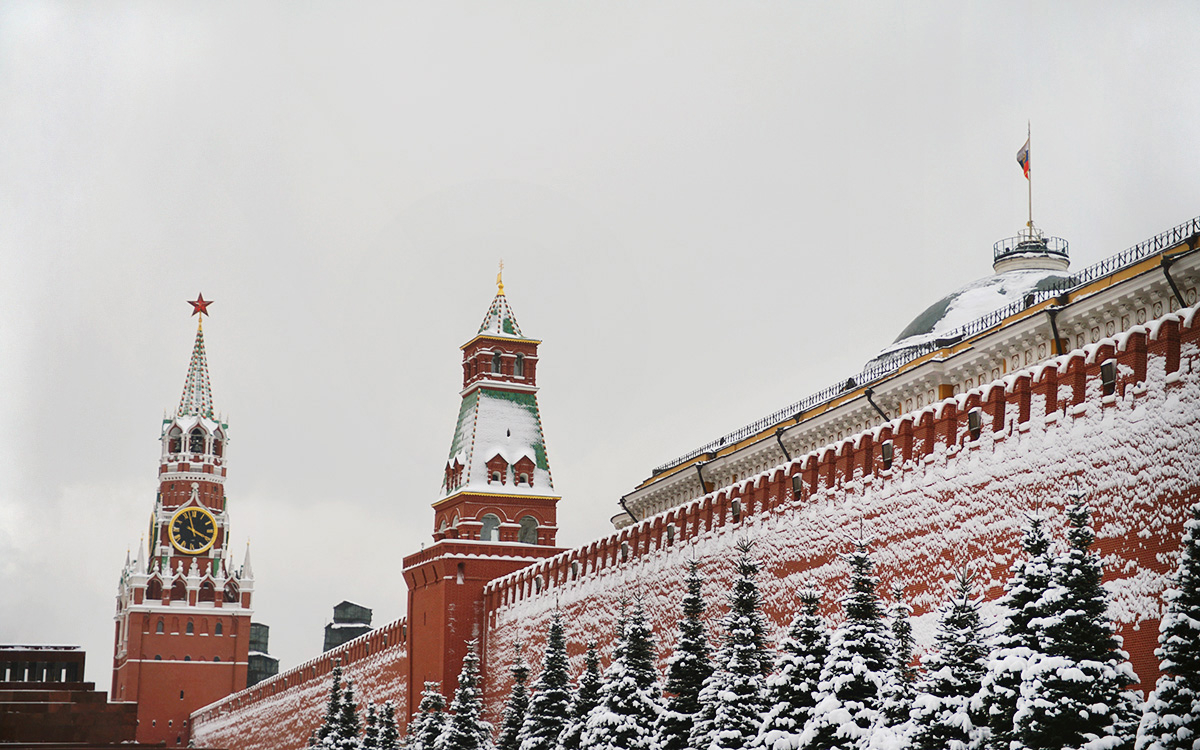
(500,320)
(495,422)
(971,302)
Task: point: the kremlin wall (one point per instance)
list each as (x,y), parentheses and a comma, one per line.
(1091,386)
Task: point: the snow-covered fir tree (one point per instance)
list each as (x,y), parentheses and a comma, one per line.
(791,688)
(849,692)
(1172,717)
(550,703)
(389,732)
(518,704)
(585,698)
(901,677)
(430,720)
(731,701)
(466,728)
(345,734)
(687,669)
(1075,694)
(332,709)
(1014,641)
(954,669)
(629,699)
(370,735)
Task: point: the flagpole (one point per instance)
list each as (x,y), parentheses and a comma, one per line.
(1029,172)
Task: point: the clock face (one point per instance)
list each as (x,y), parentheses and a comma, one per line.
(193,530)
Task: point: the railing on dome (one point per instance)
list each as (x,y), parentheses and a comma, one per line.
(898,359)
(1030,241)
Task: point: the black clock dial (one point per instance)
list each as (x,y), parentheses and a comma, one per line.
(193,530)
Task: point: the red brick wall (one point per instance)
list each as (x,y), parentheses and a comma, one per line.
(283,711)
(947,500)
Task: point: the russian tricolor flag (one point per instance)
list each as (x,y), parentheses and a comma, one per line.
(1023,158)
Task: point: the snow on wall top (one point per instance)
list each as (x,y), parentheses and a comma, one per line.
(500,320)
(932,513)
(495,422)
(970,303)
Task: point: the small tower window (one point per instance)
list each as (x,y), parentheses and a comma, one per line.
(175,444)
(159,627)
(196,441)
(496,362)
(490,531)
(218,630)
(528,531)
(495,477)
(217,445)
(519,367)
(178,591)
(191,628)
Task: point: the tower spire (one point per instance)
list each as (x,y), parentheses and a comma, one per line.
(197,392)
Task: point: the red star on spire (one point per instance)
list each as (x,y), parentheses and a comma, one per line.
(200,305)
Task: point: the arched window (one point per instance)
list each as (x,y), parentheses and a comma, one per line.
(196,440)
(175,443)
(159,627)
(178,591)
(528,531)
(154,590)
(490,531)
(231,592)
(519,367)
(496,362)
(208,592)
(191,628)
(217,446)
(218,630)
(186,658)
(216,658)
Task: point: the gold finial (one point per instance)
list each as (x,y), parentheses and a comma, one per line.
(500,278)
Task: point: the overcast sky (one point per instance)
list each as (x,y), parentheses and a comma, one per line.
(706,211)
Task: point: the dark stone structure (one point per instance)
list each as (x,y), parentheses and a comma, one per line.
(350,620)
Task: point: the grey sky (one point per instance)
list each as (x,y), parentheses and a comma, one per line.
(706,211)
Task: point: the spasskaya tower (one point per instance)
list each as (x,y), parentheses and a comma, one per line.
(183,610)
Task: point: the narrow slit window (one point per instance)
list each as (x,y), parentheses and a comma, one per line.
(797,484)
(887,451)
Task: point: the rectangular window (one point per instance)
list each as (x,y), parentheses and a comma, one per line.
(1108,377)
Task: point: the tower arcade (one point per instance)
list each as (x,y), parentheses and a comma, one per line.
(496,511)
(183,610)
